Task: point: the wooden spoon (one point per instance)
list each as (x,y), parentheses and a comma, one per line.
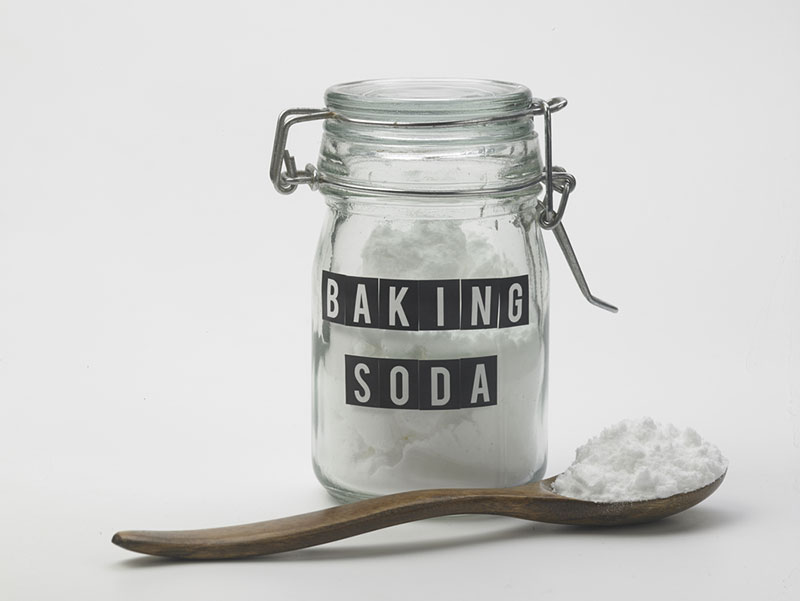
(534,501)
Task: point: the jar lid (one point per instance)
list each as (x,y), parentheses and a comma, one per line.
(427,100)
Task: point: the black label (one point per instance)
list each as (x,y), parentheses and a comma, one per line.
(513,302)
(333,296)
(362,381)
(398,304)
(425,305)
(440,384)
(439,305)
(478,382)
(361,302)
(428,385)
(480,304)
(399,387)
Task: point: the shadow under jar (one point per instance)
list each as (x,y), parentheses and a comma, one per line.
(430,284)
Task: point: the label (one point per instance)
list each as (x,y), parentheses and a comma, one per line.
(427,385)
(425,305)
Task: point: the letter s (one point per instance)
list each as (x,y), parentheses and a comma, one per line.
(362,396)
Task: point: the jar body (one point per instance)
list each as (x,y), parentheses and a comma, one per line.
(430,344)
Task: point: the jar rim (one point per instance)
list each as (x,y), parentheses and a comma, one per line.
(427,99)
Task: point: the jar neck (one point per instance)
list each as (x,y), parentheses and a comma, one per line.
(422,207)
(483,158)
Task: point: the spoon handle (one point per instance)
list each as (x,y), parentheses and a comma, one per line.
(318,527)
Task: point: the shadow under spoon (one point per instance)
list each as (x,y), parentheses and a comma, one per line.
(534,501)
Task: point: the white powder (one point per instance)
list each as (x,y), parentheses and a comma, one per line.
(640,459)
(378,451)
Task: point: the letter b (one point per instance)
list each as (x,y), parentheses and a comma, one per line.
(333,305)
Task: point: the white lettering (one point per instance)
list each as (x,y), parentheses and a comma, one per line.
(440,306)
(396,306)
(332,296)
(362,305)
(402,398)
(480,386)
(482,304)
(515,302)
(438,400)
(362,396)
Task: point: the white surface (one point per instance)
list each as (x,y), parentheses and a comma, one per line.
(154,296)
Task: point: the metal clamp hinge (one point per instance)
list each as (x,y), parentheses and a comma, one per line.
(285,176)
(287,181)
(564,183)
(558,180)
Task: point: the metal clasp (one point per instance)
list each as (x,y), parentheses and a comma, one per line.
(548,219)
(564,183)
(287,181)
(556,178)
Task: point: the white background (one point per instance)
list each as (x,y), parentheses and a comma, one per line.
(154,300)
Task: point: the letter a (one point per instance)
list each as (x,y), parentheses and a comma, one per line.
(362,305)
(480,385)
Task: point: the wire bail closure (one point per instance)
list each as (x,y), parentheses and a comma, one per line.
(287,181)
(286,178)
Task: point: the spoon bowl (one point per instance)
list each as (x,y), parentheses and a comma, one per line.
(535,501)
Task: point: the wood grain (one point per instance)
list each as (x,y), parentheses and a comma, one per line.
(529,502)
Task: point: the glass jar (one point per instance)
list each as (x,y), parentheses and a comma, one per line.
(430,284)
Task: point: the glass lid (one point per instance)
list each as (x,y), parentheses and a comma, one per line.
(424,100)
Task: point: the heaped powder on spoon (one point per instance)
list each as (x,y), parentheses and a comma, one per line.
(636,460)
